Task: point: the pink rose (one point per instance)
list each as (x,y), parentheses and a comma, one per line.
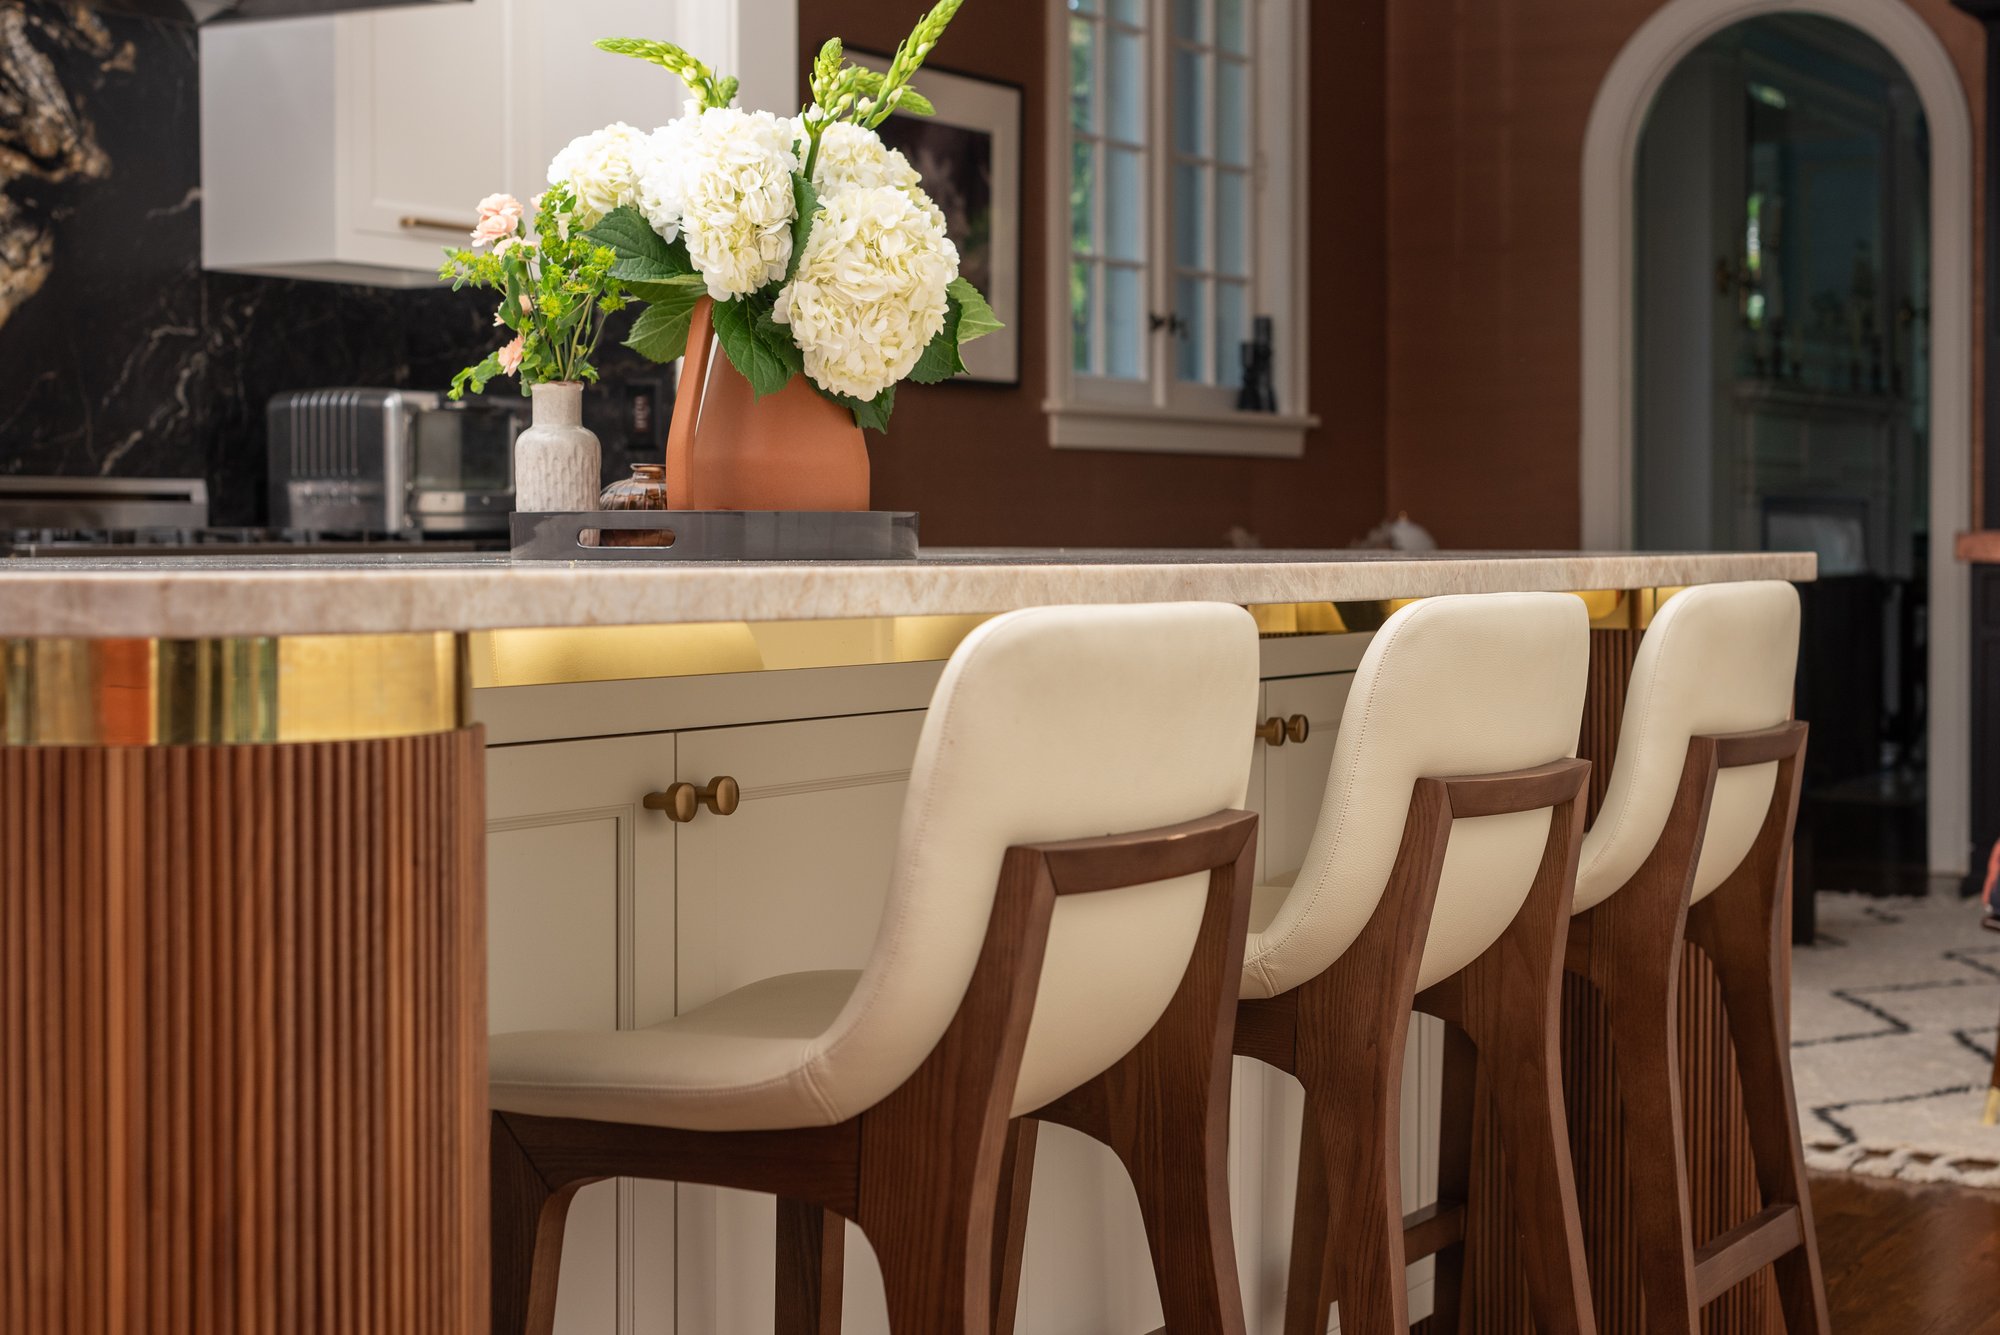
(510,356)
(499,219)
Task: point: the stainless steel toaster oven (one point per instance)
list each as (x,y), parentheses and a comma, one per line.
(391,461)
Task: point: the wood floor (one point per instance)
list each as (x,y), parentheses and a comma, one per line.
(1908,1260)
(1904,1260)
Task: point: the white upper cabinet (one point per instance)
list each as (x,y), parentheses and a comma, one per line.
(356,147)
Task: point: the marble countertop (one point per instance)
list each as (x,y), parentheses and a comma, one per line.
(219,596)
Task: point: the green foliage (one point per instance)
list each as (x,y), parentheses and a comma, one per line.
(756,345)
(708,90)
(660,333)
(941,360)
(869,414)
(642,255)
(805,200)
(976,318)
(557,290)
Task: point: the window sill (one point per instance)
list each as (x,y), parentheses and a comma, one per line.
(1074,426)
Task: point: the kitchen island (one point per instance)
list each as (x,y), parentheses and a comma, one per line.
(281,838)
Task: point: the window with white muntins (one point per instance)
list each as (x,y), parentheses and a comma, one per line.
(1176,219)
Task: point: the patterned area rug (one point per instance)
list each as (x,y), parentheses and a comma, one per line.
(1893,1020)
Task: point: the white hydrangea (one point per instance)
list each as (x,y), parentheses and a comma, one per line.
(854,158)
(730,174)
(602,170)
(659,194)
(869,294)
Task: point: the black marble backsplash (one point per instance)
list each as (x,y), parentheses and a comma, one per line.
(119,355)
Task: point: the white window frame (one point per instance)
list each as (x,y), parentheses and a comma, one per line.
(1161,413)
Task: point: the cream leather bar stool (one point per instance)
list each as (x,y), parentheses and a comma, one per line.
(1453,784)
(1065,918)
(1693,843)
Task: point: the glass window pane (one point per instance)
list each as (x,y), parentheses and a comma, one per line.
(1129,11)
(1081,308)
(1124,323)
(1083,6)
(1191,215)
(1232,222)
(1191,102)
(1124,205)
(1191,304)
(1232,112)
(1231,326)
(1190,20)
(1083,195)
(1125,87)
(1232,26)
(1083,75)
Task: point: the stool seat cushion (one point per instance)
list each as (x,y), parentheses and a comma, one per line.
(742,1061)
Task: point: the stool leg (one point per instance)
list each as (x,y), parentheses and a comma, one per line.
(1010,1226)
(1163,1109)
(528,1219)
(1309,1280)
(1458,1105)
(812,1253)
(1365,1267)
(1741,929)
(1510,1003)
(1636,965)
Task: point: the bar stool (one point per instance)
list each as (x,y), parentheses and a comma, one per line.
(1453,784)
(1024,955)
(1693,844)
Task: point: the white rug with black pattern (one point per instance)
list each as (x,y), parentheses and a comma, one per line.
(1894,1012)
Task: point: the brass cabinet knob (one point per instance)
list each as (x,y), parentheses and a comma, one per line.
(1272,731)
(1298,727)
(682,801)
(721,795)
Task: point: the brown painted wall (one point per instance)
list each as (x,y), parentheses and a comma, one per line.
(976,461)
(1487,105)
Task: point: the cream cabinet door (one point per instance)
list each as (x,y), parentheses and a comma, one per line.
(430,128)
(580,911)
(1295,777)
(794,880)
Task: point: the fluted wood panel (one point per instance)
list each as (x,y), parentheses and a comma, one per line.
(1722,1179)
(242,1039)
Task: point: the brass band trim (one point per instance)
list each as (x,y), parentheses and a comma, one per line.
(315,688)
(295,688)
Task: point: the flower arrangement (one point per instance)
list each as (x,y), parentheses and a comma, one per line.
(556,284)
(814,240)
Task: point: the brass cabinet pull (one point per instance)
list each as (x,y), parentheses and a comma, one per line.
(683,801)
(1298,727)
(415,224)
(1272,731)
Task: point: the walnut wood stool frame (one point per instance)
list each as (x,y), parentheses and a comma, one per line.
(921,1171)
(1630,948)
(1342,1035)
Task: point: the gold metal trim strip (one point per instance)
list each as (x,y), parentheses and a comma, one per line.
(300,688)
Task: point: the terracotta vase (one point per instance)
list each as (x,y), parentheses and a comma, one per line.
(729,450)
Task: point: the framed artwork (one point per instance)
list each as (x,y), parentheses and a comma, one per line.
(969,155)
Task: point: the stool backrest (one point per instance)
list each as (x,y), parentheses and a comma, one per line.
(1718,658)
(1450,686)
(1052,724)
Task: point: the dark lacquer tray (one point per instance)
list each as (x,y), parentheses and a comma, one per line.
(717,535)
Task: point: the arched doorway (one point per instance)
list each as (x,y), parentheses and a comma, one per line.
(1780,365)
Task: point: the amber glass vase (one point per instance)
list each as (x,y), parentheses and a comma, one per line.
(646,489)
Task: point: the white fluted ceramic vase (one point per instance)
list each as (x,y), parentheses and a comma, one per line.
(557,459)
